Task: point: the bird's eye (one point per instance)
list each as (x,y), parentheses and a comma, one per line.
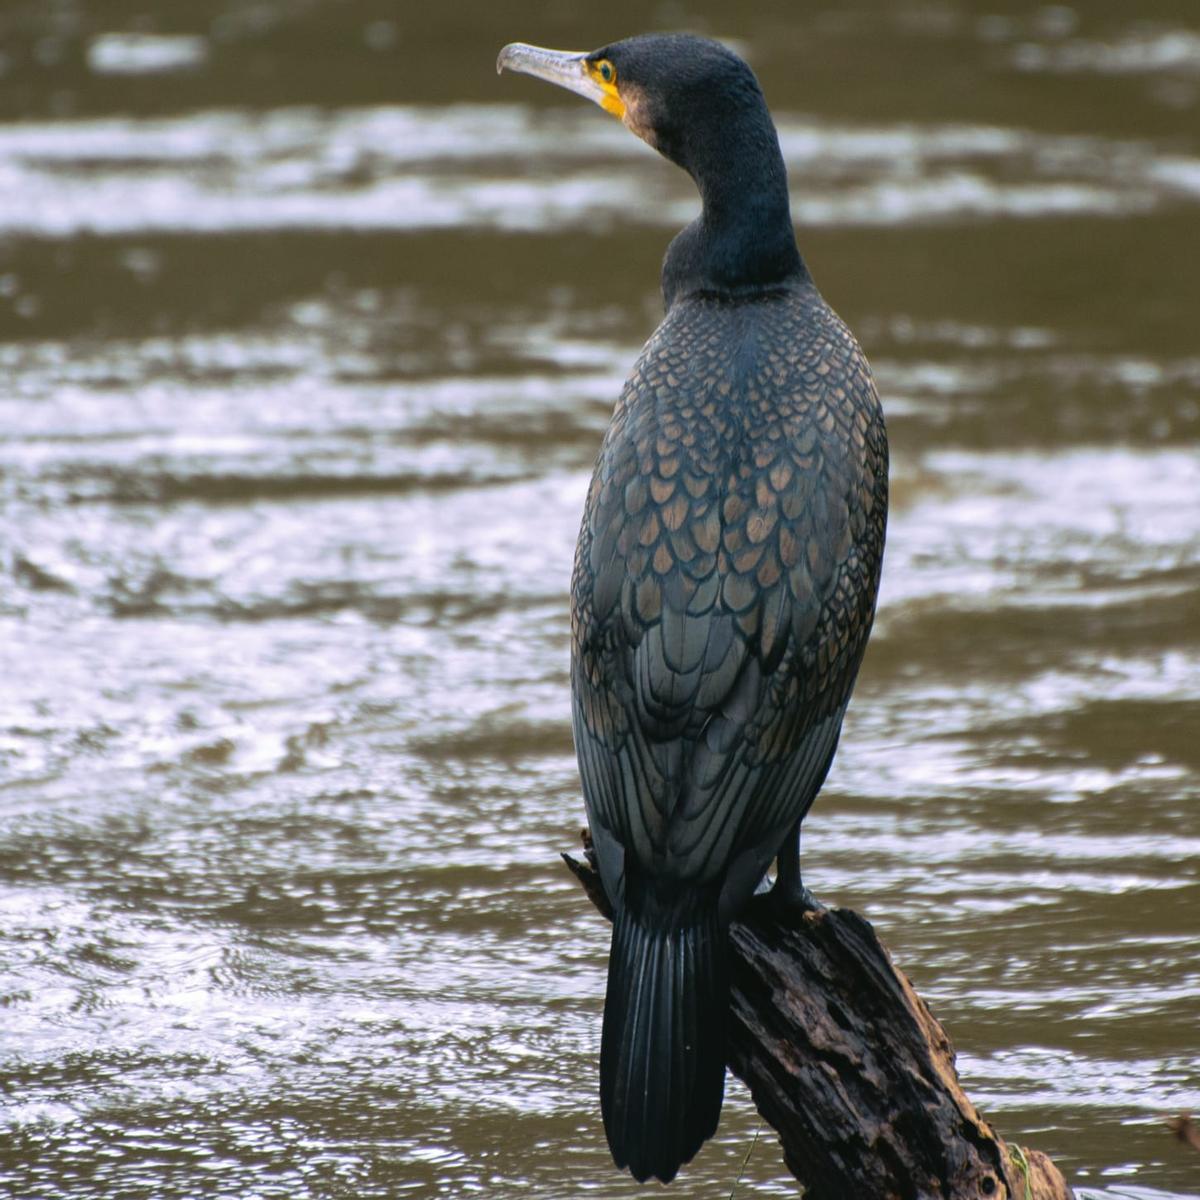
(606,70)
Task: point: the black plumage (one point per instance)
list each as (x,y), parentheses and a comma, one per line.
(724,584)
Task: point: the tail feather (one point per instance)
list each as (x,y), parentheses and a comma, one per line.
(662,1056)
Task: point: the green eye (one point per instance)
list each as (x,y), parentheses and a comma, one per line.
(607,72)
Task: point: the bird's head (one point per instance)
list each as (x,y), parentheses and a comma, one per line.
(698,104)
(666,88)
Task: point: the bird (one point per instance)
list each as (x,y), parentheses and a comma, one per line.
(724,584)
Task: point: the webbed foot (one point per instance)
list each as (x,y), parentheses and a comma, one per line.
(791,898)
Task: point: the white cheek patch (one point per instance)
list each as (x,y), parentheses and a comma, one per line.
(636,117)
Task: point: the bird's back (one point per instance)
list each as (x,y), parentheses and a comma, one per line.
(724,587)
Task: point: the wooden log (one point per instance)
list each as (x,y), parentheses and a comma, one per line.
(845,1061)
(1185,1129)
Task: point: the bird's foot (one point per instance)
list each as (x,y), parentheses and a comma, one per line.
(789,900)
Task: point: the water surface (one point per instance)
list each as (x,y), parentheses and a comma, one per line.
(311,327)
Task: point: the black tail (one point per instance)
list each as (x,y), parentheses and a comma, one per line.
(662,1056)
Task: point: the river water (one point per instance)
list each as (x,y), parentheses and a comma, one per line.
(310,330)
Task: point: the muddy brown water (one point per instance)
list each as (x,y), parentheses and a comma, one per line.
(310,329)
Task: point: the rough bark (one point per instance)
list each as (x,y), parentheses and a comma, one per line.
(845,1061)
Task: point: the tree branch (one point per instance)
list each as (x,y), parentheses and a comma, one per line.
(847,1064)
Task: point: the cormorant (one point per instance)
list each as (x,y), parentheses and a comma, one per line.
(724,584)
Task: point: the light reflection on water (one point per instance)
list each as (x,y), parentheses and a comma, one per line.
(470,165)
(285,760)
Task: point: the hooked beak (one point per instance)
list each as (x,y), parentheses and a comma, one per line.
(566,68)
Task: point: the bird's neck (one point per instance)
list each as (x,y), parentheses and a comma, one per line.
(743,239)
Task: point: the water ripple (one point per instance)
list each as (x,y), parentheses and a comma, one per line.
(358,169)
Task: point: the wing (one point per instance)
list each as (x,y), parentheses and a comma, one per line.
(724,586)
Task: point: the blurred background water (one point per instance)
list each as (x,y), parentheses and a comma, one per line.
(310,330)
